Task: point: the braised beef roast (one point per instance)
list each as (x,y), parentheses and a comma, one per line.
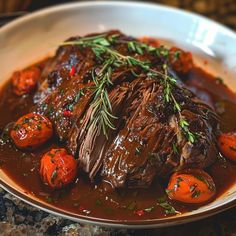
(148,141)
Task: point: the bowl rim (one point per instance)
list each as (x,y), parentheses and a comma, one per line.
(128,224)
(128,3)
(163,222)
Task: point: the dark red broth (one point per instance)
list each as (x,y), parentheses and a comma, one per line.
(90,199)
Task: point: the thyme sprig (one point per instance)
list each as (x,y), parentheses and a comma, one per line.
(169,83)
(101,45)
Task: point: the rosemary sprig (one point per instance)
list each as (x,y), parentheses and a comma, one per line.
(101,106)
(101,45)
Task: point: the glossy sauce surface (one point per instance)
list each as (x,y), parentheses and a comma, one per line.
(85,198)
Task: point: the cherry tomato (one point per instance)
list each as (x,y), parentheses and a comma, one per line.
(31,131)
(191,186)
(227,145)
(25,81)
(181,61)
(58,168)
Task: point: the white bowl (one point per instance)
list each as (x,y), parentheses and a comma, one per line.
(35,36)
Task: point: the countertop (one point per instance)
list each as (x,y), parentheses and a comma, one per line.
(18,218)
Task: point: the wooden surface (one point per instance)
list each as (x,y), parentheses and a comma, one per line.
(223,11)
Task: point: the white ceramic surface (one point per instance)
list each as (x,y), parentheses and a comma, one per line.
(37,35)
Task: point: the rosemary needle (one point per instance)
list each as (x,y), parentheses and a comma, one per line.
(101,106)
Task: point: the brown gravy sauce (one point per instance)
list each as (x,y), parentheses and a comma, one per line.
(84,198)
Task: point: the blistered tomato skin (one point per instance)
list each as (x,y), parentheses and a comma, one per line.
(227,145)
(193,186)
(25,81)
(181,61)
(31,130)
(58,168)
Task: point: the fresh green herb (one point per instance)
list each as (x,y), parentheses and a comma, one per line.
(196,194)
(50,110)
(39,127)
(131,46)
(185,127)
(192,188)
(98,202)
(139,47)
(219,80)
(54,175)
(168,86)
(178,180)
(62,91)
(79,95)
(49,199)
(204,180)
(162,52)
(101,106)
(51,154)
(169,82)
(151,156)
(44,106)
(138,151)
(132,206)
(70,107)
(16,127)
(161,199)
(101,114)
(168,208)
(175,148)
(149,209)
(201,178)
(25,120)
(176,185)
(177,54)
(169,191)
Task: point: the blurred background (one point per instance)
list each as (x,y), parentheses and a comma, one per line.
(223,11)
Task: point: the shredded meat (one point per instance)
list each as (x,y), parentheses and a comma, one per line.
(148,141)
